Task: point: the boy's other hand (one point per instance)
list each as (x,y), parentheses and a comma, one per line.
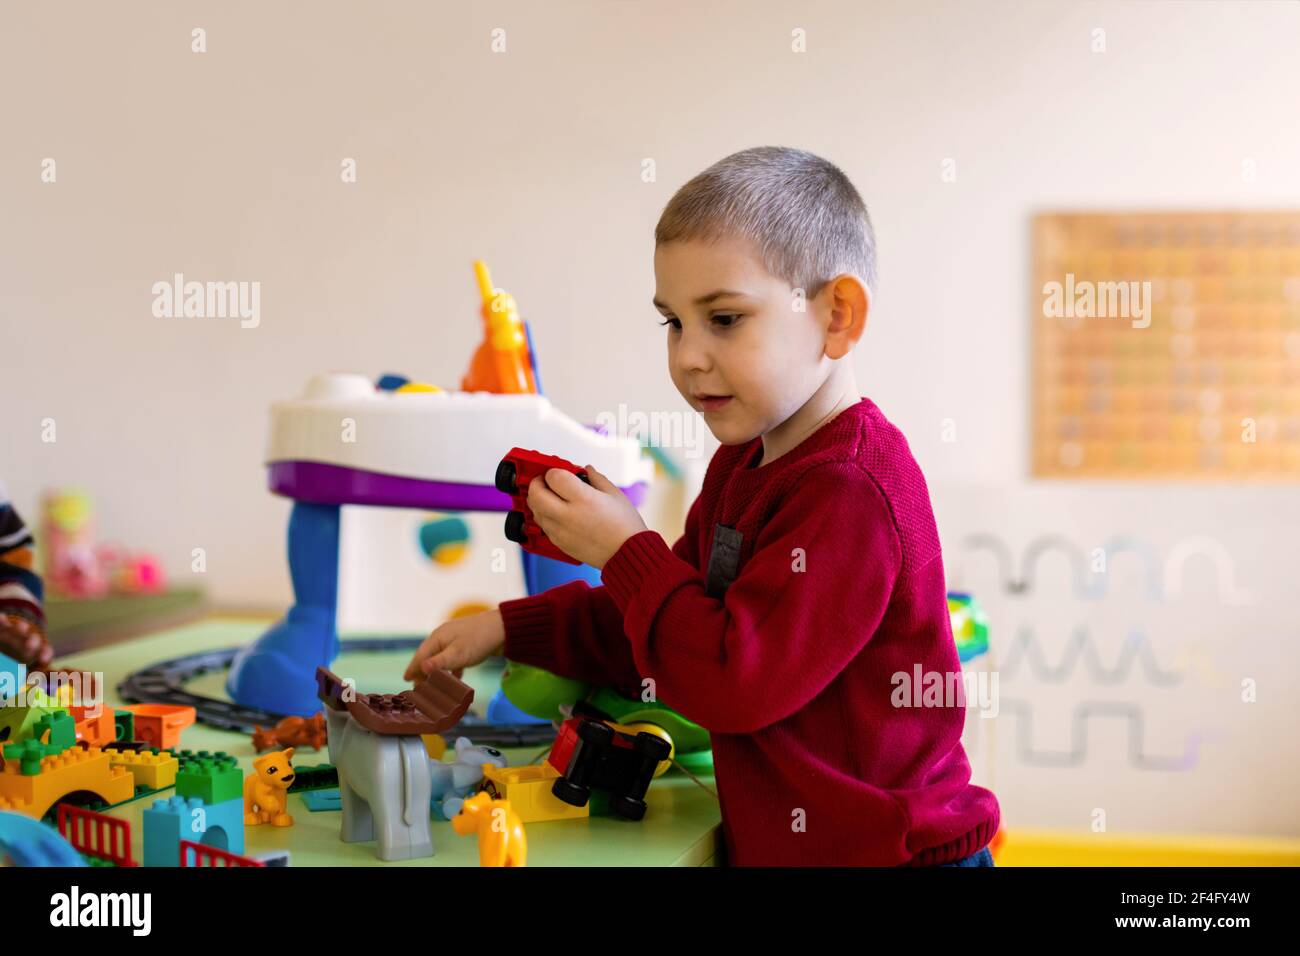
(459,643)
(25,642)
(588,522)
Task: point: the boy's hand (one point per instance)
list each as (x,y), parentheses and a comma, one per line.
(25,642)
(459,643)
(586,522)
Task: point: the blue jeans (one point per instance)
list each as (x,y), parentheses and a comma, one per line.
(983,858)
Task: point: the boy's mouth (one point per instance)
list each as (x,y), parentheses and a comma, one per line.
(711,403)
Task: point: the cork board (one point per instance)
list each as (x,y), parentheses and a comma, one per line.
(1166,346)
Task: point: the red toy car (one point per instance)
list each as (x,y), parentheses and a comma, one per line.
(517,469)
(590,754)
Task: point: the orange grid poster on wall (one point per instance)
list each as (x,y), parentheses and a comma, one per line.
(1167,346)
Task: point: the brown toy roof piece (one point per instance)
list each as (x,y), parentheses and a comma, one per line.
(435,704)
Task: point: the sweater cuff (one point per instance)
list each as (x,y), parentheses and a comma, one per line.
(638,562)
(529,638)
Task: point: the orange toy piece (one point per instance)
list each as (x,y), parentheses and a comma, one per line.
(266,790)
(160,725)
(502,363)
(501,838)
(292,732)
(73,770)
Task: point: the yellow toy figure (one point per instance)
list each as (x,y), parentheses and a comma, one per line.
(501,839)
(266,790)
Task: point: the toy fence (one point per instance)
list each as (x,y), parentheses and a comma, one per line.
(96,834)
(196,854)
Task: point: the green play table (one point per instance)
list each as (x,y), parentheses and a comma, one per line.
(682,827)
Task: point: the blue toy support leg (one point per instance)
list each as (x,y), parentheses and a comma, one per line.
(277,672)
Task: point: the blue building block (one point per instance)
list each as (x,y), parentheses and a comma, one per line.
(12,677)
(169,821)
(322,800)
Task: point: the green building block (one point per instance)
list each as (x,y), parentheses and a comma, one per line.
(62,728)
(318,777)
(124,724)
(29,755)
(213,777)
(19,723)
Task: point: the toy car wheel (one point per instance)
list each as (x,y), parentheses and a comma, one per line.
(505,477)
(627,807)
(570,792)
(596,733)
(515,528)
(652,746)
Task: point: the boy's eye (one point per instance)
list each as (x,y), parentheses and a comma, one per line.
(675,323)
(726,319)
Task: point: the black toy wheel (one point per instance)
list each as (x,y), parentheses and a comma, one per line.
(515,527)
(628,807)
(505,477)
(570,792)
(652,746)
(596,733)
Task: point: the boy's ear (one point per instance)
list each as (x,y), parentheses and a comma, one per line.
(850,302)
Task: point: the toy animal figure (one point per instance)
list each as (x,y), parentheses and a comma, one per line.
(266,790)
(385,778)
(292,732)
(501,838)
(384,788)
(452,782)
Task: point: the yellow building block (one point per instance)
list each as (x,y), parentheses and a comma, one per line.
(529,791)
(156,771)
(69,772)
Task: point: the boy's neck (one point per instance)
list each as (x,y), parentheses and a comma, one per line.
(837,393)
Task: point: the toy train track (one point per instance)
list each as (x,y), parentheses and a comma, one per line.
(164,683)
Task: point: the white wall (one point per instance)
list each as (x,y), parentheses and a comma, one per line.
(225,165)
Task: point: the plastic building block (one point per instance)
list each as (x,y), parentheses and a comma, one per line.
(96,835)
(215,777)
(18,724)
(517,470)
(124,722)
(97,730)
(266,791)
(501,837)
(433,705)
(13,677)
(384,788)
(296,732)
(152,770)
(59,775)
(160,725)
(529,791)
(318,777)
(452,782)
(27,756)
(60,727)
(28,842)
(318,801)
(591,754)
(169,821)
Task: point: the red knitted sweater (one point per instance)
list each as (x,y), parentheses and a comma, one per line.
(839,588)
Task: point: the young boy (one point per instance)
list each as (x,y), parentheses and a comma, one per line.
(809,575)
(22,611)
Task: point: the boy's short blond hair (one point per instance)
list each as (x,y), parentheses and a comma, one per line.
(801,212)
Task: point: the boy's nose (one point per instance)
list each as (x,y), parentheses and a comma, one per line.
(692,354)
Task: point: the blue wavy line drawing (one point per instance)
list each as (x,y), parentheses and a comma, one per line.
(1122,544)
(1225,576)
(1080,647)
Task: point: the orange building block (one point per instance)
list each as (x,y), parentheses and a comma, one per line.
(74,769)
(160,725)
